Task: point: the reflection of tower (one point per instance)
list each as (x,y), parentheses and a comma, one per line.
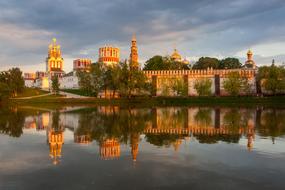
(250,136)
(177,144)
(134,62)
(110,149)
(55,140)
(135,145)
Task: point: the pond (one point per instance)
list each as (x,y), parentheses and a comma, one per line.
(109,147)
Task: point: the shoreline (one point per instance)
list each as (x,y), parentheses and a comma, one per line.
(243,101)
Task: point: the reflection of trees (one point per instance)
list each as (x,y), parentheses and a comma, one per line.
(235,119)
(171,117)
(212,139)
(117,124)
(56,120)
(272,123)
(203,117)
(163,139)
(11,122)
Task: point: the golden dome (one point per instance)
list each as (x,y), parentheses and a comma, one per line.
(175,55)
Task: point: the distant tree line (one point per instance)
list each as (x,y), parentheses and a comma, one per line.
(208,62)
(166,63)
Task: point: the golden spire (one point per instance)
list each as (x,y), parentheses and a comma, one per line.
(249,52)
(134,37)
(54,40)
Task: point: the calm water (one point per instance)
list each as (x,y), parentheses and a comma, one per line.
(156,148)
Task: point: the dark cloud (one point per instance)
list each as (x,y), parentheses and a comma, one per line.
(205,27)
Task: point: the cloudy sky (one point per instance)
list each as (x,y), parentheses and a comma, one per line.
(219,28)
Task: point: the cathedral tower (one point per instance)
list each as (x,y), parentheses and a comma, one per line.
(54,61)
(134,58)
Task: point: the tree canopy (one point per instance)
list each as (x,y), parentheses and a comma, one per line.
(206,62)
(233,83)
(272,78)
(11,82)
(117,78)
(230,63)
(55,85)
(164,63)
(203,87)
(209,62)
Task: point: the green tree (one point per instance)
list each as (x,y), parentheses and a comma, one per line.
(93,81)
(230,63)
(207,62)
(233,83)
(164,63)
(132,82)
(272,78)
(55,85)
(155,63)
(97,77)
(84,81)
(14,80)
(203,87)
(4,91)
(179,87)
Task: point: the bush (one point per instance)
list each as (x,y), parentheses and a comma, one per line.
(203,87)
(233,84)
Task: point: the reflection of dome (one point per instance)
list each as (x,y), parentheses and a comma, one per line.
(176,56)
(177,144)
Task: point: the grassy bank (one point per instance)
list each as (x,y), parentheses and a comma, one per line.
(30,92)
(76,91)
(278,101)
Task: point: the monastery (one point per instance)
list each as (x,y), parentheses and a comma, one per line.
(110,55)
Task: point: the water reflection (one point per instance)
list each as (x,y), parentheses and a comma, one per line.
(112,127)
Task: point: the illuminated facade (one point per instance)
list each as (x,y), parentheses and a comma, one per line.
(82,64)
(134,57)
(54,61)
(29,79)
(109,55)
